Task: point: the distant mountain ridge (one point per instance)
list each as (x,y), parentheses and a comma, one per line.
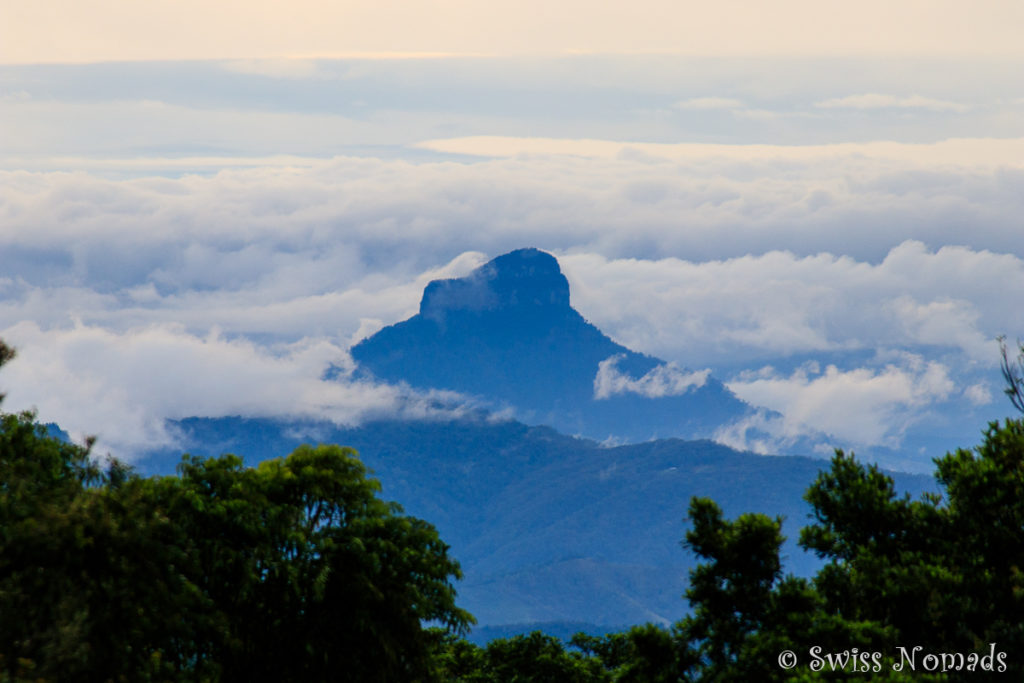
(548,528)
(507,333)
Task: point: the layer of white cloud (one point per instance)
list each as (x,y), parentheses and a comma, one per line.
(762,258)
(778,304)
(738,262)
(865,406)
(977,151)
(667,379)
(881,101)
(122,386)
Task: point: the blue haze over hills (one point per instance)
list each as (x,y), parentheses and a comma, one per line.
(549,528)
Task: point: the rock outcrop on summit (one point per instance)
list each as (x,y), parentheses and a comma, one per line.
(506,333)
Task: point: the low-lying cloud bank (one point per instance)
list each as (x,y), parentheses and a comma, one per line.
(667,379)
(871,406)
(776,304)
(122,386)
(112,289)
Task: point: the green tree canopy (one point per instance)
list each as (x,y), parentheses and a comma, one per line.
(943,572)
(294,570)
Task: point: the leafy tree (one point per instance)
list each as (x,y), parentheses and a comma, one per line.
(293,570)
(985,543)
(730,593)
(886,553)
(534,657)
(642,654)
(309,574)
(457,660)
(943,572)
(68,576)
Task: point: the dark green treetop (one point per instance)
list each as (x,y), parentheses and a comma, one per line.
(294,570)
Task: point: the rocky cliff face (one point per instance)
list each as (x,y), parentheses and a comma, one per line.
(525,278)
(507,334)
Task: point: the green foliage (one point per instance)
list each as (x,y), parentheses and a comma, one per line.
(886,552)
(942,572)
(642,654)
(945,572)
(291,571)
(309,573)
(60,543)
(985,542)
(730,593)
(534,657)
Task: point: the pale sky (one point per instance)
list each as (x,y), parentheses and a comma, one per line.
(61,31)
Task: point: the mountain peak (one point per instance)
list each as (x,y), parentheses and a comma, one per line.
(524,278)
(506,333)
